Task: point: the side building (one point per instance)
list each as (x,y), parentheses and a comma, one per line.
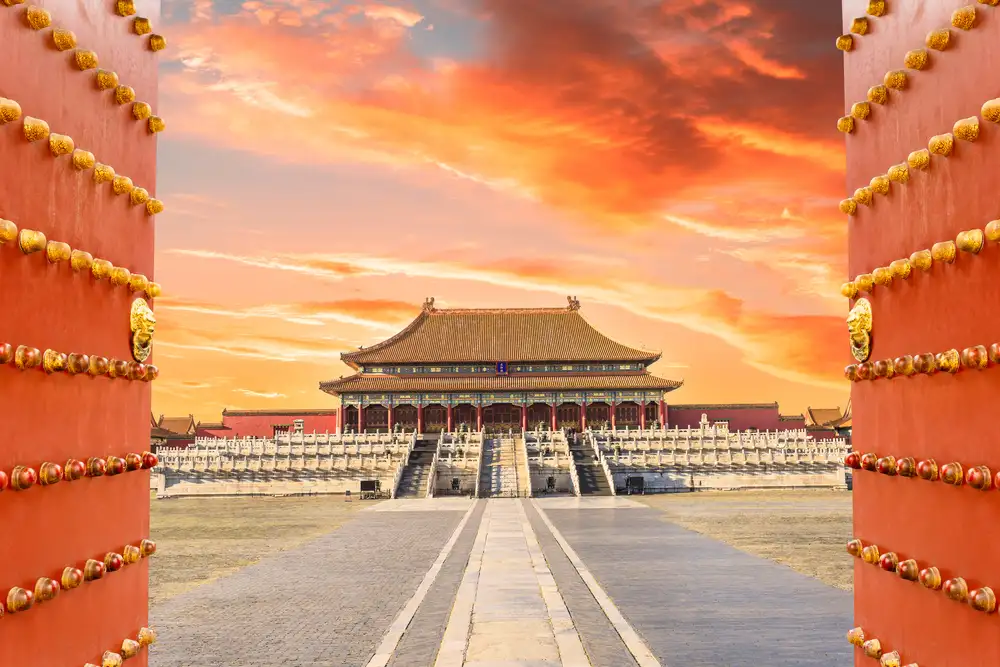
(499,369)
(820,423)
(269,423)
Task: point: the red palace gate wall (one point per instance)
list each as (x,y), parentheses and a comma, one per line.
(763,417)
(49,305)
(948,417)
(262,425)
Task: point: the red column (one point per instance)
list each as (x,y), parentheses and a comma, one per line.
(391,409)
(612,415)
(524,417)
(420,419)
(479,417)
(552,409)
(361,418)
(642,415)
(449,417)
(663,413)
(583,415)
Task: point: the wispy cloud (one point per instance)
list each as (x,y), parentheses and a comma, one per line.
(783,345)
(371,314)
(259,394)
(608,111)
(647,134)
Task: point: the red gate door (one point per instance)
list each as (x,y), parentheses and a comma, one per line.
(78,127)
(923,154)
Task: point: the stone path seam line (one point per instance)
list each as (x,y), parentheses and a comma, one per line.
(567,638)
(456,633)
(391,639)
(635,644)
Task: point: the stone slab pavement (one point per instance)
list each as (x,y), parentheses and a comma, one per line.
(329,603)
(419,646)
(326,603)
(698,602)
(508,610)
(603,645)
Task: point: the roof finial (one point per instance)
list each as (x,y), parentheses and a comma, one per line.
(428,304)
(574,303)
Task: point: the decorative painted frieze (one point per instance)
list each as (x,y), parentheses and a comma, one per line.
(478,369)
(515,398)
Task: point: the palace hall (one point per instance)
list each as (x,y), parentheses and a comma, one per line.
(499,369)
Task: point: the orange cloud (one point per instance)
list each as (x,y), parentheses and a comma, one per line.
(800,348)
(401,16)
(753,58)
(675,119)
(586,106)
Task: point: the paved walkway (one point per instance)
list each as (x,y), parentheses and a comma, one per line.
(503,583)
(700,602)
(326,603)
(508,609)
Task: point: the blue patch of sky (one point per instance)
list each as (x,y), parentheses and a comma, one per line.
(171,67)
(455,36)
(187,166)
(181,11)
(227,7)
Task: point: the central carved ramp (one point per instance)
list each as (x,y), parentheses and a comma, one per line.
(498,477)
(508,610)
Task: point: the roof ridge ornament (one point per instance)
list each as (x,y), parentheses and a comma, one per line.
(574,303)
(428,304)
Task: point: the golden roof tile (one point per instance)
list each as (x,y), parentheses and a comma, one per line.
(488,335)
(178,425)
(825,416)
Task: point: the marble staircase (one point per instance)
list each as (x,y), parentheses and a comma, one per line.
(593,481)
(499,472)
(413,482)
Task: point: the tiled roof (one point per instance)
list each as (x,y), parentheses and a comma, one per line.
(491,335)
(397,383)
(825,416)
(178,425)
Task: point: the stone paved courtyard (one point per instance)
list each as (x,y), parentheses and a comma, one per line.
(498,583)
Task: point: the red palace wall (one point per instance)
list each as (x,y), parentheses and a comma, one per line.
(944,416)
(261,424)
(54,417)
(763,417)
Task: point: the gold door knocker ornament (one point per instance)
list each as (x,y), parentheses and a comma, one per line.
(143,325)
(859,324)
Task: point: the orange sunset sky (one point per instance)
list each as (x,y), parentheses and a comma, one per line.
(327,165)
